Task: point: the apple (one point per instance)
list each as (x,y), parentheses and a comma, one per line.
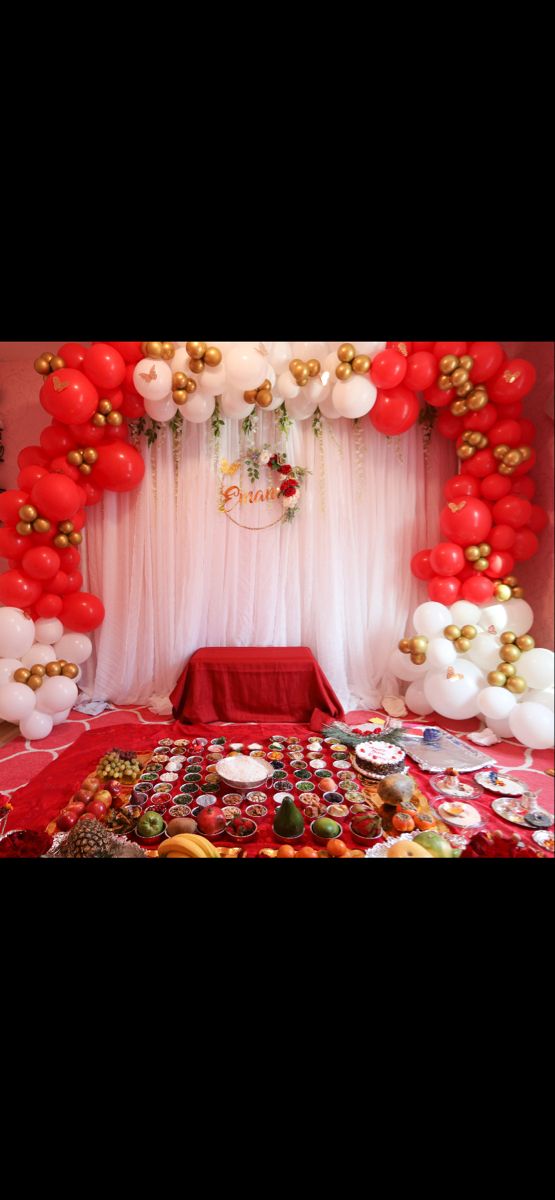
(91,784)
(104,796)
(77,806)
(84,796)
(97,809)
(67,819)
(114,787)
(435,844)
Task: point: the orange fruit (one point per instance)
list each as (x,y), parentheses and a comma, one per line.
(403,822)
(307,852)
(337,848)
(355,854)
(286,852)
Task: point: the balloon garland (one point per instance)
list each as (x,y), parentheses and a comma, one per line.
(489,522)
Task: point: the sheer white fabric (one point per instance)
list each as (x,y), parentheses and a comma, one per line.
(175,574)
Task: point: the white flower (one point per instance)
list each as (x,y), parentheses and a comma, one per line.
(264,458)
(289,501)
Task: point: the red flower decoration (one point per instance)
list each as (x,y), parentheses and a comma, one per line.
(289,488)
(497,845)
(25,844)
(285,470)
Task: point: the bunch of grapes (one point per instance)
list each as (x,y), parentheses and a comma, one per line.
(122,765)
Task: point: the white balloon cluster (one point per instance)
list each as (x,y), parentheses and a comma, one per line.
(24,644)
(245,366)
(457,687)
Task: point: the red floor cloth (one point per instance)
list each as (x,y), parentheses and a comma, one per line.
(249,683)
(41,801)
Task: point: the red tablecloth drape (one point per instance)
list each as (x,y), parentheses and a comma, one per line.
(249,683)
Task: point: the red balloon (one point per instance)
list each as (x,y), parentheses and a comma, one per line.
(131,352)
(478,590)
(42,539)
(69,396)
(483,421)
(56,439)
(56,497)
(79,520)
(448,425)
(422,346)
(438,399)
(82,612)
(32,456)
(129,381)
(482,464)
(500,563)
(467,572)
(49,605)
(388,369)
(505,433)
(41,562)
(513,411)
(93,495)
(12,545)
(29,476)
(116,433)
(133,406)
(461,485)
(488,360)
(526,544)
(421,370)
(494,487)
(420,565)
(120,467)
(524,487)
(69,559)
(87,435)
(525,467)
(502,537)
(395,411)
(447,559)
(444,591)
(58,585)
(10,504)
(115,396)
(467,522)
(527,432)
(515,380)
(539,519)
(73,354)
(457,348)
(512,510)
(104,366)
(17,590)
(60,466)
(74,582)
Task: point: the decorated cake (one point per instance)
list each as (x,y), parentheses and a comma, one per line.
(378,759)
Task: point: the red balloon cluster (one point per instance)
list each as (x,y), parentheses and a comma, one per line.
(489,523)
(48,507)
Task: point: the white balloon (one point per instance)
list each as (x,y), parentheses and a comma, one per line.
(485,651)
(234,405)
(8,666)
(161,410)
(17,633)
(537,667)
(246,367)
(74,647)
(371,348)
(400,665)
(61,718)
(493,614)
(532,724)
(39,655)
(277,402)
(306,350)
(48,630)
(16,702)
(198,408)
(546,697)
(287,387)
(501,729)
(452,696)
(431,618)
(153,378)
(415,699)
(355,397)
(213,380)
(37,726)
(315,391)
(56,694)
(301,407)
(328,409)
(496,702)
(440,653)
(520,617)
(465,613)
(281,356)
(180,361)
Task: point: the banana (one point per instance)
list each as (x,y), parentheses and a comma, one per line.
(187,845)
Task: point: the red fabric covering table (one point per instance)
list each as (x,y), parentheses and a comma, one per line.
(250,683)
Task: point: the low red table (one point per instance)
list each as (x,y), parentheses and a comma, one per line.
(249,683)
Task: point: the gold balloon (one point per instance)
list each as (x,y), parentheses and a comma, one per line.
(62,662)
(467,362)
(196,365)
(90,456)
(485,549)
(264,398)
(179,380)
(418,659)
(459,377)
(526,452)
(481,564)
(181,396)
(61,542)
(85,469)
(419,645)
(474,438)
(500,451)
(483,442)
(510,580)
(465,452)
(458,407)
(53,669)
(513,458)
(191,386)
(507,669)
(504,469)
(448,364)
(250,396)
(66,527)
(74,458)
(477,401)
(104,407)
(24,529)
(502,592)
(196,350)
(75,539)
(154,349)
(518,593)
(56,363)
(22,675)
(41,525)
(213,356)
(469,631)
(28,513)
(525,643)
(452,633)
(34,682)
(49,356)
(38,669)
(462,644)
(346,352)
(404,645)
(517,685)
(98,419)
(472,554)
(115,419)
(361,364)
(42,365)
(314,367)
(510,654)
(465,390)
(71,671)
(297,368)
(344,371)
(303,376)
(168,350)
(508,638)
(266,386)
(295,362)
(496,679)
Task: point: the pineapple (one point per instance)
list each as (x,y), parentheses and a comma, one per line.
(88,839)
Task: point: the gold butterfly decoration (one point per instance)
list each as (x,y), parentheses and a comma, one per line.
(58,384)
(492,629)
(457,507)
(452,674)
(229,468)
(262,349)
(151,375)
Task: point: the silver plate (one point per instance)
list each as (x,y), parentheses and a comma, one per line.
(447,751)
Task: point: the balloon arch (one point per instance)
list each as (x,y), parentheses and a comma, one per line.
(472,654)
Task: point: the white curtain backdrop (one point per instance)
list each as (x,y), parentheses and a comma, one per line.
(176,575)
